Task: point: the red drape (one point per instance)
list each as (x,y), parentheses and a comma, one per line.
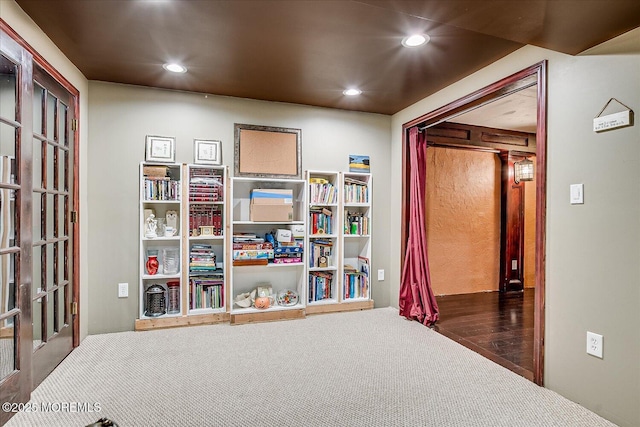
(416,297)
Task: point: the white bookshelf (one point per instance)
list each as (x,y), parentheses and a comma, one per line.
(160,194)
(355,237)
(281,277)
(205,223)
(323,231)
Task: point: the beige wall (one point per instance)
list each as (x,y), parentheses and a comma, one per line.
(11,13)
(592,274)
(121,117)
(463,220)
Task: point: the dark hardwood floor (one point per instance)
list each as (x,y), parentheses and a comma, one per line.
(499,326)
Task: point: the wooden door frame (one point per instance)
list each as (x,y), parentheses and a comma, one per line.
(60,79)
(492,92)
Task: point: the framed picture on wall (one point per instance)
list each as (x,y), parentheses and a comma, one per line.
(207,152)
(267,151)
(160,149)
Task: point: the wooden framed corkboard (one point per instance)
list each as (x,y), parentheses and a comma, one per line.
(267,152)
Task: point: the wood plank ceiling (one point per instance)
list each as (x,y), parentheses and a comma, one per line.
(308,52)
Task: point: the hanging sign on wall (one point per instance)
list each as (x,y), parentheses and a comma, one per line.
(613,121)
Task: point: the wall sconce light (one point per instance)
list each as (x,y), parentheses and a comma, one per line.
(523,171)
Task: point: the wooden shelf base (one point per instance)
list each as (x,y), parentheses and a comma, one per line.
(267,316)
(175,322)
(335,308)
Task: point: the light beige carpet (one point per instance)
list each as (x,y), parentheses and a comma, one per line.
(370,368)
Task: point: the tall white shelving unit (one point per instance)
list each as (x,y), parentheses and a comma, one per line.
(205,223)
(355,236)
(160,192)
(245,278)
(323,231)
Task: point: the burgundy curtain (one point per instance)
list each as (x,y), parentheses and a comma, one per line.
(416,297)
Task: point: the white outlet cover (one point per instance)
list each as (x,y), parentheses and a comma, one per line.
(123,290)
(577,194)
(594,344)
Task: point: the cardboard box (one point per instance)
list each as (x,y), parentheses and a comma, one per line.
(272,196)
(271,205)
(271,213)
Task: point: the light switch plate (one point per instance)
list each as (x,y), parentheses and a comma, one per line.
(577,194)
(123,290)
(380,275)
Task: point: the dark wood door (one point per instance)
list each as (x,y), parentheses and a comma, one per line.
(53,160)
(15,230)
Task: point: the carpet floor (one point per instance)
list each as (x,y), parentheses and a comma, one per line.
(369,368)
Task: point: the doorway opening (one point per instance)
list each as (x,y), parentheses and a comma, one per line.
(451,129)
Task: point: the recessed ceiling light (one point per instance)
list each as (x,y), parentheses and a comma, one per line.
(175,68)
(415,40)
(352,92)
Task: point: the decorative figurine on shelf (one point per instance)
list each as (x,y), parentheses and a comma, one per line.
(172,221)
(151,225)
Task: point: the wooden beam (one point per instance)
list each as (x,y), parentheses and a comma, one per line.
(175,322)
(336,308)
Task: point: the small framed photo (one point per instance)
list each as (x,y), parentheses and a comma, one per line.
(160,149)
(207,152)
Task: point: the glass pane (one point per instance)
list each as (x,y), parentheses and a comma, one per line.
(61,159)
(51,162)
(36,270)
(7,282)
(50,216)
(50,266)
(7,152)
(8,89)
(50,314)
(37,216)
(37,163)
(37,322)
(62,303)
(51,117)
(8,347)
(61,230)
(63,131)
(38,96)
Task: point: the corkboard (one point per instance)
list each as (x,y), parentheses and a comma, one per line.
(269,152)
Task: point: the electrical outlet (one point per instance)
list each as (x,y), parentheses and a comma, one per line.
(380,275)
(123,290)
(594,344)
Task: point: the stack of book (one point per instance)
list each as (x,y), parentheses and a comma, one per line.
(356,281)
(207,292)
(249,249)
(206,281)
(205,185)
(322,191)
(355,191)
(320,285)
(205,215)
(320,220)
(161,188)
(320,253)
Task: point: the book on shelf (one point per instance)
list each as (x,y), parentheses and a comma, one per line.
(320,253)
(320,220)
(205,185)
(355,223)
(321,191)
(320,285)
(355,191)
(356,281)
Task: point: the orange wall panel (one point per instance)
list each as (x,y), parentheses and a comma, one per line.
(463,220)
